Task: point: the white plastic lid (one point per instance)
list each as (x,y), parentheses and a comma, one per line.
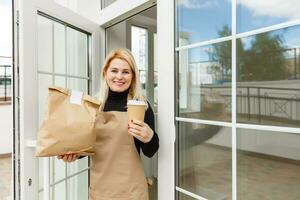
(136,102)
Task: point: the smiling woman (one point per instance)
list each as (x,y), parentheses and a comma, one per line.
(118,75)
(119,141)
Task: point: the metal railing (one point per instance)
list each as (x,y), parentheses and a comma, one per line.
(5,83)
(256,103)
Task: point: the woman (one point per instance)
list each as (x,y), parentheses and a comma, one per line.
(116,169)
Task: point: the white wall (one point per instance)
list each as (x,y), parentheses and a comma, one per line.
(5,129)
(279,144)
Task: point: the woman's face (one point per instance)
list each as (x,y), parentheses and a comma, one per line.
(118,75)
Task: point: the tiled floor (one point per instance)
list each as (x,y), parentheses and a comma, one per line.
(259,177)
(5,178)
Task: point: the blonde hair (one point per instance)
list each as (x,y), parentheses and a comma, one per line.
(135,90)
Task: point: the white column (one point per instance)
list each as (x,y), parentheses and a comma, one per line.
(166,126)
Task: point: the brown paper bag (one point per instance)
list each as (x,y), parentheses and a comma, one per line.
(67,126)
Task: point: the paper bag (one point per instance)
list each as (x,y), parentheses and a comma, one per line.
(67,126)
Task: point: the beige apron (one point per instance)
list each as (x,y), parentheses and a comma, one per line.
(116,169)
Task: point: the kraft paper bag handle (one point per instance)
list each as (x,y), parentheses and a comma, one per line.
(68,92)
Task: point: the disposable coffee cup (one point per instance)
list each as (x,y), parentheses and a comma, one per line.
(136,110)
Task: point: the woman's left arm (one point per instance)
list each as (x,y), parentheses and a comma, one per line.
(145,133)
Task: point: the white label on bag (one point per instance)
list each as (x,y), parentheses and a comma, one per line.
(76,97)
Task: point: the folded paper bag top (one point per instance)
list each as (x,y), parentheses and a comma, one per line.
(68,123)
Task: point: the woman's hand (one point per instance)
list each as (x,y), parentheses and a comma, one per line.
(69,157)
(140,130)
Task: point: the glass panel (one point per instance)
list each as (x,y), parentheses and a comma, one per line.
(205,82)
(106,3)
(155,72)
(268,165)
(45,44)
(59,48)
(77,84)
(59,191)
(41,173)
(205,160)
(77,53)
(268,75)
(60,81)
(258,14)
(60,169)
(184,197)
(5,84)
(44,81)
(115,37)
(78,187)
(41,195)
(202,20)
(78,165)
(139,48)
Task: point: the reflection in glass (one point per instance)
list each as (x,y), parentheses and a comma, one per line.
(205,82)
(77,53)
(202,20)
(78,186)
(69,51)
(268,165)
(58,169)
(77,84)
(259,14)
(139,48)
(41,174)
(59,48)
(268,75)
(44,81)
(78,165)
(60,81)
(184,197)
(155,72)
(45,44)
(205,160)
(59,191)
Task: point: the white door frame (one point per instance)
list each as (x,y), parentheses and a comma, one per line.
(166,98)
(28,87)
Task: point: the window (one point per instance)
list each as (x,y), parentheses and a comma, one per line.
(238,106)
(63,60)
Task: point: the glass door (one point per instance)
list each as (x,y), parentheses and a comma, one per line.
(56,47)
(238,111)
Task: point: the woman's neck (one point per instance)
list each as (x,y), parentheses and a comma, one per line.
(117,95)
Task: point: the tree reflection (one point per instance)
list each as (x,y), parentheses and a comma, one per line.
(263,60)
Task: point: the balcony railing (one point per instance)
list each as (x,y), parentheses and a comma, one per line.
(5,83)
(255,104)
